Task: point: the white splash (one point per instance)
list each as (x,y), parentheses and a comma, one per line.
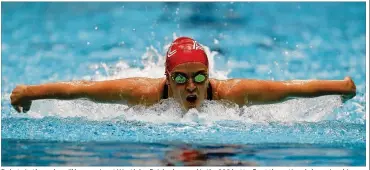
(169,111)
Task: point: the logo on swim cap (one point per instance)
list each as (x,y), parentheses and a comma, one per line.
(197,46)
(184,50)
(171,53)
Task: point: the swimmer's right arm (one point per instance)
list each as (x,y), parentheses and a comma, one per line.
(130,91)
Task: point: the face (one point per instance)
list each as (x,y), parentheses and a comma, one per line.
(188,83)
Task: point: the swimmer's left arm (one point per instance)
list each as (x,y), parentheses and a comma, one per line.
(249,92)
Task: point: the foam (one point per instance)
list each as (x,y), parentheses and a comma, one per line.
(169,111)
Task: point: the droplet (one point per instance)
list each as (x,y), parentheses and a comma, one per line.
(88,43)
(215,41)
(96,28)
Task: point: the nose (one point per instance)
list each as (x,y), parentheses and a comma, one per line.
(190,87)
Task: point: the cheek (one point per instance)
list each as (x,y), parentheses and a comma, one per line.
(202,90)
(202,87)
(177,90)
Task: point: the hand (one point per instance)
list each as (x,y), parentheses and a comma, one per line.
(19,99)
(350,85)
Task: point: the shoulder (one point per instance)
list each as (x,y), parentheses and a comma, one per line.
(145,84)
(140,81)
(224,88)
(222,84)
(218,88)
(146,90)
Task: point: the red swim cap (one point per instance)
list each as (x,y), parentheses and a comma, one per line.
(184,50)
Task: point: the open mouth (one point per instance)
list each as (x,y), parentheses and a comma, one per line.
(191,98)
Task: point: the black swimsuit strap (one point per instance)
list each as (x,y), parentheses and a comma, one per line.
(209,92)
(165,92)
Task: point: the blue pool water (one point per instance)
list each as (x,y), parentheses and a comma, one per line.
(47,42)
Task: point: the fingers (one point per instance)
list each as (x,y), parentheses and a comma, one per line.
(18,101)
(344,98)
(26,107)
(350,86)
(23,107)
(17,108)
(347,97)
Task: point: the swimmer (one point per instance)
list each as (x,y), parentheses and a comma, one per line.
(186,80)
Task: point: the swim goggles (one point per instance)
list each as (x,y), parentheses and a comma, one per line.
(181,78)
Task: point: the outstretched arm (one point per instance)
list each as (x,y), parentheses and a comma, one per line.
(247,92)
(131,91)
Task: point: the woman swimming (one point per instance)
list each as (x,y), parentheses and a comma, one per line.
(187,81)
